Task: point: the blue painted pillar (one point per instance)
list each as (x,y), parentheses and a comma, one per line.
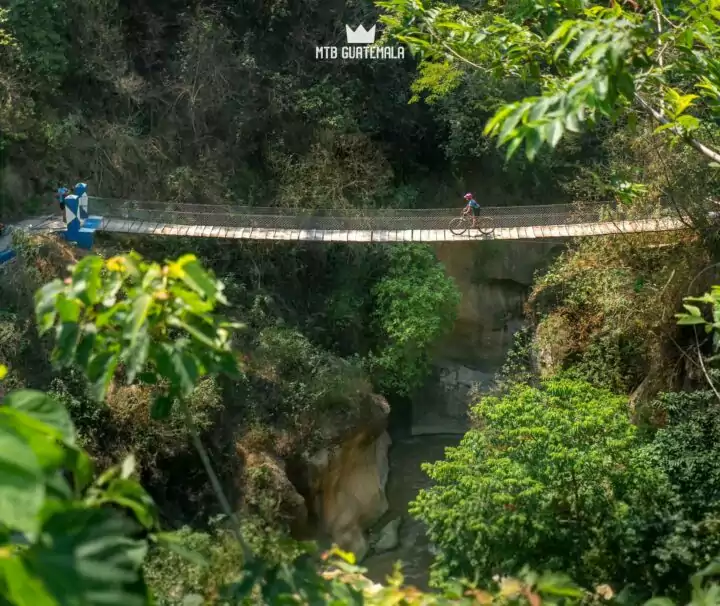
(72,218)
(79,225)
(80,190)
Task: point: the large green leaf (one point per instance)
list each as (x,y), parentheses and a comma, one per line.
(89,557)
(100,371)
(85,346)
(22,481)
(136,355)
(24,588)
(87,280)
(180,368)
(81,465)
(128,493)
(68,309)
(45,311)
(43,408)
(67,341)
(45,441)
(198,279)
(137,317)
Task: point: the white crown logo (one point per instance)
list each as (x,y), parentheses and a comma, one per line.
(360,35)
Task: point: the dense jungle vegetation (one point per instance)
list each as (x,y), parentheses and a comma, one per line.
(153,400)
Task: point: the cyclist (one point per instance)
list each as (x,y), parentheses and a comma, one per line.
(472,206)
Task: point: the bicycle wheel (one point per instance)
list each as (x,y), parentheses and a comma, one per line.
(459,225)
(485,225)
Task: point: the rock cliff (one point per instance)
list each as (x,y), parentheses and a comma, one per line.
(337,491)
(494,279)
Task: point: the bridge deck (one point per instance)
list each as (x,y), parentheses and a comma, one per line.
(130,226)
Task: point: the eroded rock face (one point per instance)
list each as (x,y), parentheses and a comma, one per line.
(494,279)
(552,344)
(337,491)
(349,487)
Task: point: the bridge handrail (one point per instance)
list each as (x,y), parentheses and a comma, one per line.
(226,215)
(113,203)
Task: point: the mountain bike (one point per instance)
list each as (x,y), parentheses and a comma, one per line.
(484,225)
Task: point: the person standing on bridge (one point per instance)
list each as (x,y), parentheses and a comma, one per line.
(60,196)
(471,206)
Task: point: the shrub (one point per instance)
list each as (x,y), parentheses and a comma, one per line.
(551,477)
(687,449)
(613,298)
(416,304)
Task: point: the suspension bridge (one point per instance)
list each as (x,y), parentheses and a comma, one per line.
(333,225)
(362,225)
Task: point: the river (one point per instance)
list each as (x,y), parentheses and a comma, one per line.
(405,479)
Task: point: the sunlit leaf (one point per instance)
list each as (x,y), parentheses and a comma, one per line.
(138,316)
(100,371)
(22,481)
(24,587)
(128,493)
(687,320)
(43,408)
(693,310)
(88,272)
(67,341)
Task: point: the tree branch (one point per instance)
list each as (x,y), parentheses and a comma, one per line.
(694,143)
(214,481)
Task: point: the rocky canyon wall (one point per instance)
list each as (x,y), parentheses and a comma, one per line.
(494,279)
(335,492)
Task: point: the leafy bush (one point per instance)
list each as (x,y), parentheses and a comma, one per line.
(70,540)
(518,367)
(687,449)
(613,361)
(551,477)
(606,307)
(41,31)
(416,304)
(66,537)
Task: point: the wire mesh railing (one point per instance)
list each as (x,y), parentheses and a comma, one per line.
(219,215)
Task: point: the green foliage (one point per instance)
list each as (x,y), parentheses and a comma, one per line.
(75,549)
(611,360)
(41,31)
(68,539)
(5,38)
(123,319)
(551,477)
(604,307)
(517,368)
(204,563)
(309,384)
(693,316)
(687,449)
(585,61)
(416,304)
(60,541)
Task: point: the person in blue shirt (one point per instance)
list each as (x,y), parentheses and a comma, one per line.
(60,195)
(472,206)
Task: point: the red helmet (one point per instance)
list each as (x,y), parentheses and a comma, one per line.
(468,196)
